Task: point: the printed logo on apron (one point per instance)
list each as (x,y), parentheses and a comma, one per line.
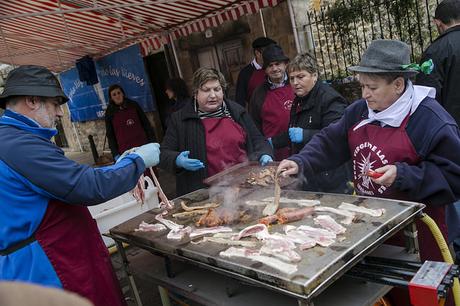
(367,156)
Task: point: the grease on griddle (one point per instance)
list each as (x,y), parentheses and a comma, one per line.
(376,223)
(337,248)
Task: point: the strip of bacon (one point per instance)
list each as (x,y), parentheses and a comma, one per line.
(359,209)
(327,222)
(226,241)
(164,200)
(179,233)
(274,263)
(197,232)
(253,230)
(349,216)
(169,224)
(149,227)
(184,206)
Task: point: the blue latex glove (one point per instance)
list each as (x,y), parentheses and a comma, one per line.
(116,157)
(265,159)
(150,153)
(296,134)
(191,164)
(270,142)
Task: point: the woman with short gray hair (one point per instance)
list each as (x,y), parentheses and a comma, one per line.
(209,135)
(315,106)
(402,143)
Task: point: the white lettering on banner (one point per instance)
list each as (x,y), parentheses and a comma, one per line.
(131,76)
(100,113)
(113,71)
(76,84)
(109,70)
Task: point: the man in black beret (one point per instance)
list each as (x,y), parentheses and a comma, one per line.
(270,104)
(47,235)
(252,75)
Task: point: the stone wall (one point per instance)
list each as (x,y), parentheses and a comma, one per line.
(95,128)
(246,29)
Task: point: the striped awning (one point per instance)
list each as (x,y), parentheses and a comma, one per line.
(54,33)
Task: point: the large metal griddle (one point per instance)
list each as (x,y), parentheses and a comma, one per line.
(319,267)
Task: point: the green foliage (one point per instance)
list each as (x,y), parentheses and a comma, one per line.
(343,13)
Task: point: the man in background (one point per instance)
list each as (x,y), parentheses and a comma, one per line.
(252,75)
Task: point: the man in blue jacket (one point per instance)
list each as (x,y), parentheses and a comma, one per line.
(47,235)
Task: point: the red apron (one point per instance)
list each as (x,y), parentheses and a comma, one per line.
(71,240)
(128,129)
(275,115)
(225,143)
(371,147)
(257,79)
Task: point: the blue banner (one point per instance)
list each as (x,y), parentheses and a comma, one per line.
(83,101)
(125,68)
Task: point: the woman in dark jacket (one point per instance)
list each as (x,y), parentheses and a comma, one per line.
(315,106)
(209,135)
(126,124)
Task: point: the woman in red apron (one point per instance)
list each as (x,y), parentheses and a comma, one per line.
(126,123)
(398,130)
(210,135)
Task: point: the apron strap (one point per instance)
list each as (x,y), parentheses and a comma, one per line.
(18,246)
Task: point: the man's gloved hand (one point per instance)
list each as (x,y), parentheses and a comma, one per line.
(296,134)
(191,164)
(150,153)
(265,159)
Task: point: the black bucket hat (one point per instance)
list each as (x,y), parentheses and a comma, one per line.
(273,53)
(383,56)
(30,80)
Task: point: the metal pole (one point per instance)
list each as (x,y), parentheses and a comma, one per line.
(132,283)
(74,129)
(262,22)
(294,27)
(175,55)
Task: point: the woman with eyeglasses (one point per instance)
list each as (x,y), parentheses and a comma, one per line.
(126,124)
(210,135)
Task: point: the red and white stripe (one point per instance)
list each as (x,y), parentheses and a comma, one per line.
(55,33)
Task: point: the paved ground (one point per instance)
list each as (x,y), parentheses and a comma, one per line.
(141,260)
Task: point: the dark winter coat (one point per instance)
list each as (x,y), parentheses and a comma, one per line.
(445,53)
(322,106)
(112,109)
(241,94)
(186,133)
(435,180)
